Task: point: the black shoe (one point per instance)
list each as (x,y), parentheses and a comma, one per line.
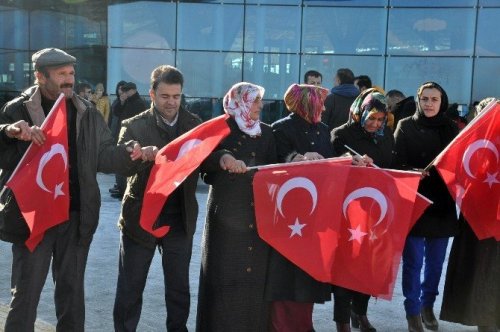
(343,327)
(415,323)
(429,320)
(361,322)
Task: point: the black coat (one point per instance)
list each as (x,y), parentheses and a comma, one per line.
(379,148)
(234,258)
(336,110)
(416,146)
(285,281)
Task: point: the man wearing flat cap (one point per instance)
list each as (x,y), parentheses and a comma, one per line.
(90,149)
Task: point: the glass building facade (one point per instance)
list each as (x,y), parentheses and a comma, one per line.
(398,43)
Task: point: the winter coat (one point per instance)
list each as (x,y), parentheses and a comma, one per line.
(416,145)
(379,148)
(96,152)
(337,109)
(148,129)
(234,258)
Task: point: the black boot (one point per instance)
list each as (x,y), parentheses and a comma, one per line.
(430,321)
(415,323)
(343,327)
(361,322)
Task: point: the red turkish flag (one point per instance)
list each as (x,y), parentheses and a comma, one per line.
(341,224)
(470,168)
(173,164)
(40,182)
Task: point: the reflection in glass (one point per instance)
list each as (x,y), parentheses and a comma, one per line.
(453,74)
(210,27)
(488,38)
(485,83)
(432,3)
(333,30)
(327,65)
(209,74)
(275,72)
(272,29)
(349,3)
(47,28)
(144,24)
(14,74)
(135,65)
(437,32)
(12,37)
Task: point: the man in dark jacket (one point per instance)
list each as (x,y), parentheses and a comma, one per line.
(162,123)
(342,95)
(90,149)
(129,104)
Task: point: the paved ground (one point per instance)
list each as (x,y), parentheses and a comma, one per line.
(102,271)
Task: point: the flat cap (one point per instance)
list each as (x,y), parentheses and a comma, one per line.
(52,57)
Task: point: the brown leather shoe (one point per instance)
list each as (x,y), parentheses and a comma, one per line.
(361,322)
(429,320)
(343,327)
(415,323)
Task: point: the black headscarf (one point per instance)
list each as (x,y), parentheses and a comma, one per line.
(447,129)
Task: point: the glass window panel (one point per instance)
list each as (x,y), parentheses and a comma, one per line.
(432,3)
(327,65)
(272,29)
(431,32)
(486,82)
(82,32)
(275,2)
(349,3)
(344,30)
(135,65)
(210,27)
(12,35)
(275,72)
(47,29)
(489,2)
(15,75)
(209,74)
(214,1)
(453,74)
(142,24)
(488,38)
(205,108)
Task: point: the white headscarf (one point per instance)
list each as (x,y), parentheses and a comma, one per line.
(237,103)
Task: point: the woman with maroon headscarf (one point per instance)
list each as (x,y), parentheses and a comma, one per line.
(234,258)
(299,136)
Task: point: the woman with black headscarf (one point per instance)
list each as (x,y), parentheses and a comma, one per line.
(418,140)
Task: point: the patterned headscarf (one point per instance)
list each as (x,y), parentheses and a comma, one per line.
(306,100)
(368,101)
(237,103)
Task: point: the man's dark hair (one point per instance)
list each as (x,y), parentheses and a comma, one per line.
(395,94)
(364,81)
(345,76)
(166,74)
(80,87)
(312,73)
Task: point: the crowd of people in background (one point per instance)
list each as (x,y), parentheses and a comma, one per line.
(245,285)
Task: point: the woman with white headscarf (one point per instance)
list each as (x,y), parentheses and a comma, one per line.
(234,258)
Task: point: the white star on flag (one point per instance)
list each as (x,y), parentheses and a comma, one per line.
(296,228)
(58,190)
(356,234)
(491,179)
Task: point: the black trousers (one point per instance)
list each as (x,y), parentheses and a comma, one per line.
(29,271)
(135,260)
(345,300)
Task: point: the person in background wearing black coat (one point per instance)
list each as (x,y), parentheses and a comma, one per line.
(300,136)
(234,257)
(418,140)
(367,133)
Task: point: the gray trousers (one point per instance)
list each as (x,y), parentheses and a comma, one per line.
(29,271)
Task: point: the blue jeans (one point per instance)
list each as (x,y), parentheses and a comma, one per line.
(420,294)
